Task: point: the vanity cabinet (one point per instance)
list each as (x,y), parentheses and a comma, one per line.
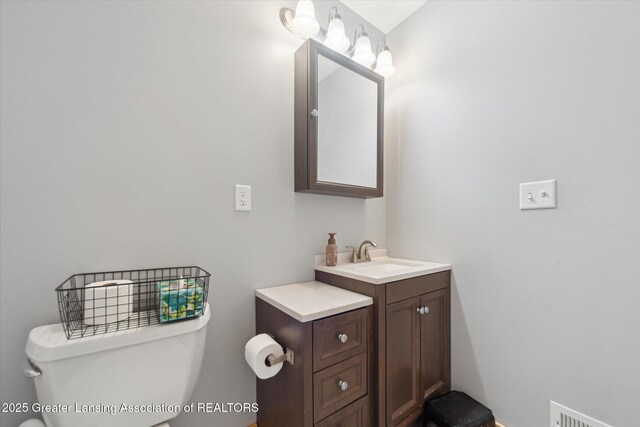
(411,343)
(329,383)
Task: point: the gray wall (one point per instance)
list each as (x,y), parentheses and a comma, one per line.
(124,127)
(491,94)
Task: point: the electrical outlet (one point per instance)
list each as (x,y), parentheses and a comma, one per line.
(243,197)
(538,195)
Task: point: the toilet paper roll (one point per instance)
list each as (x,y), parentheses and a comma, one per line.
(106,304)
(256,351)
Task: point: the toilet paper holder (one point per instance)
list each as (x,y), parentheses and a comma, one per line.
(286,357)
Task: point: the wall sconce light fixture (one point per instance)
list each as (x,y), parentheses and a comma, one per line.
(336,38)
(384,64)
(362,53)
(303,23)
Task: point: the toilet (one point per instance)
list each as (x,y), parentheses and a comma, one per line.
(153,365)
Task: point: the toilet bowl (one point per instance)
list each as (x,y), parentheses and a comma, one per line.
(154,368)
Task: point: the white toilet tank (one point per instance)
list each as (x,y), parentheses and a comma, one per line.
(153,365)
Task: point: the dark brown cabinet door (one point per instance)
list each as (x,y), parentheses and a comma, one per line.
(403,359)
(434,344)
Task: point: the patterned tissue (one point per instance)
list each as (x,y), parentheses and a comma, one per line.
(180,299)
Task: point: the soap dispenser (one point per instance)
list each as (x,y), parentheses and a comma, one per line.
(332,250)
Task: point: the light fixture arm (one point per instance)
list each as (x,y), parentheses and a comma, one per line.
(333,13)
(286,16)
(359,31)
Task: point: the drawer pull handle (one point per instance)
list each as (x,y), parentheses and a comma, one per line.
(343,338)
(343,385)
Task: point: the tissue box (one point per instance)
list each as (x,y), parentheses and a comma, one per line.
(180,299)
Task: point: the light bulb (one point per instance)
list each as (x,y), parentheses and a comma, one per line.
(384,66)
(362,53)
(336,38)
(304,24)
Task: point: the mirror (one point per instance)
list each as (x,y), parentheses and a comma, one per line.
(339,118)
(347,126)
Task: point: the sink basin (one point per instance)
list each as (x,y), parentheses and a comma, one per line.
(381,268)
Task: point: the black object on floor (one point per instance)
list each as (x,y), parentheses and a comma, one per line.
(457,409)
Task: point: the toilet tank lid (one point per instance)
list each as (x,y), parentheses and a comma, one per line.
(48,343)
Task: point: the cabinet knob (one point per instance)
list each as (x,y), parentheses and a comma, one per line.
(343,338)
(420,310)
(314,113)
(343,385)
(426,310)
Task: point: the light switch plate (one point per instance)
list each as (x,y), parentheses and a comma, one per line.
(243,197)
(538,195)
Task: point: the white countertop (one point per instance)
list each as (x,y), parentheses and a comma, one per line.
(312,300)
(381,269)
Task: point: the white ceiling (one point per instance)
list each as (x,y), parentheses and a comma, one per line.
(384,14)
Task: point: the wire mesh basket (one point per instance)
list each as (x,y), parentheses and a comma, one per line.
(97,303)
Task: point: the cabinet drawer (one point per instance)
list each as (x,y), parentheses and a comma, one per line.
(354,415)
(409,288)
(328,348)
(329,396)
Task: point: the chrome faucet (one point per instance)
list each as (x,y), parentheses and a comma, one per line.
(362,254)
